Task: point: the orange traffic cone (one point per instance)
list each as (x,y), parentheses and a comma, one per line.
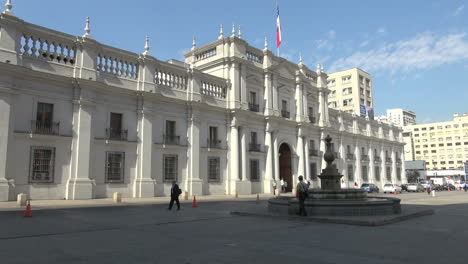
(258,198)
(449,189)
(394,192)
(194,202)
(28,211)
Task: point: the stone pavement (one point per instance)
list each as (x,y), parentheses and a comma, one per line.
(148,233)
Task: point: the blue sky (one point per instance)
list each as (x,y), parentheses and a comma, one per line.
(416,51)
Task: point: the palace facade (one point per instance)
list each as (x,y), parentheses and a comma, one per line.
(82,120)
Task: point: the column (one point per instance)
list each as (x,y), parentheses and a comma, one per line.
(275,95)
(357,156)
(245,186)
(235,92)
(194,183)
(307,161)
(243,87)
(383,168)
(298,96)
(321,109)
(234,157)
(300,153)
(5,110)
(79,186)
(276,162)
(268,97)
(403,168)
(269,177)
(371,164)
(143,185)
(394,177)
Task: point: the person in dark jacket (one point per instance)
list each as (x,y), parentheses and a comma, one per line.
(175,192)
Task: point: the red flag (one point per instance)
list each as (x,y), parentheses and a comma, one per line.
(278,29)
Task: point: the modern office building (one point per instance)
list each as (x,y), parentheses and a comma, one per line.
(80,120)
(442,145)
(351,91)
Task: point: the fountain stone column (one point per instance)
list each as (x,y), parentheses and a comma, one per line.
(330,177)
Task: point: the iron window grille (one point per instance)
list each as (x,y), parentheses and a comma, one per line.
(389,174)
(377,173)
(254,170)
(350,173)
(42,163)
(170,167)
(213,169)
(115,166)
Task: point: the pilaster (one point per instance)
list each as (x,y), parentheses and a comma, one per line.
(80,186)
(194,182)
(245,186)
(234,156)
(5,114)
(143,185)
(269,177)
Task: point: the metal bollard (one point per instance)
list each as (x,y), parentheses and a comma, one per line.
(433,193)
(22,199)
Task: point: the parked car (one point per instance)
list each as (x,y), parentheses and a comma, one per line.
(445,187)
(390,188)
(370,188)
(415,187)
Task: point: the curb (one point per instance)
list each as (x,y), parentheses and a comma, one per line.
(392,220)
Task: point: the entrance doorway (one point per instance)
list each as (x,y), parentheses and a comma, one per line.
(285,166)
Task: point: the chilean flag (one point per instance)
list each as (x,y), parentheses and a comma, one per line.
(278,29)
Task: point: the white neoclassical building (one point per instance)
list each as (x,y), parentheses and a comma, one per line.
(82,120)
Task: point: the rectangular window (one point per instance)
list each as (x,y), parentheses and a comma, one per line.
(170,128)
(44,115)
(42,161)
(170,167)
(350,173)
(253,138)
(284,105)
(377,173)
(115,130)
(213,168)
(365,176)
(253,98)
(254,170)
(213,134)
(389,174)
(115,167)
(313,171)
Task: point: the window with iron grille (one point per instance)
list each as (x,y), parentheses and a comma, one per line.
(213,168)
(350,173)
(42,162)
(377,173)
(170,167)
(254,170)
(389,174)
(398,173)
(115,165)
(313,171)
(365,177)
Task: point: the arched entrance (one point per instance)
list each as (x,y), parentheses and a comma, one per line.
(285,168)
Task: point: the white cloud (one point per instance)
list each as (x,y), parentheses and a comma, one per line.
(458,10)
(424,51)
(327,42)
(381,30)
(331,34)
(364,43)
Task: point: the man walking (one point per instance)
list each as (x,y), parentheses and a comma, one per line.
(175,192)
(302,193)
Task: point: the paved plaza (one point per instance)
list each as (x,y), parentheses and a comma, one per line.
(146,232)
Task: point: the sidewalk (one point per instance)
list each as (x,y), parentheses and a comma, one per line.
(108,202)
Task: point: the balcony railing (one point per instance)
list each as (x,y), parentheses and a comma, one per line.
(398,160)
(285,113)
(377,159)
(312,119)
(45,127)
(337,155)
(365,157)
(171,140)
(213,143)
(313,152)
(254,147)
(253,107)
(388,160)
(350,156)
(116,134)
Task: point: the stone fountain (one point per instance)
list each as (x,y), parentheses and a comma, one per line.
(332,200)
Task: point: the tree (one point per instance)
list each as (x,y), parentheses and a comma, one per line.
(412,175)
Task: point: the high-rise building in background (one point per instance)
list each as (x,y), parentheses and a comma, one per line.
(351,91)
(443,145)
(401,117)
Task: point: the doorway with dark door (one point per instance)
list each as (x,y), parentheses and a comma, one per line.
(285,168)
